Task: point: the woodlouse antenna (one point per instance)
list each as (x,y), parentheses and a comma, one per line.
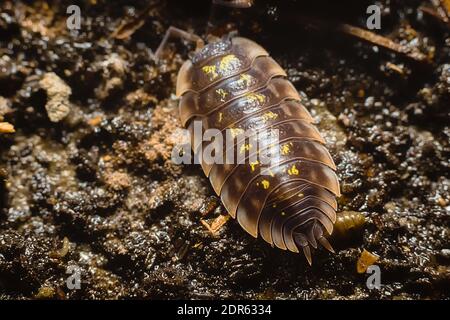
(173,32)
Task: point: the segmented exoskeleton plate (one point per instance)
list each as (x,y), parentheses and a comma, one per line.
(234,84)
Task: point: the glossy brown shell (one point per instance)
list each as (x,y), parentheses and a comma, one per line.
(235,84)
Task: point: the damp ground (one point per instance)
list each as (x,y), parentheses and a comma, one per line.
(87,183)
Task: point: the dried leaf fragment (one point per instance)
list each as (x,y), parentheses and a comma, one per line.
(45,292)
(6,127)
(216,225)
(365,260)
(95,121)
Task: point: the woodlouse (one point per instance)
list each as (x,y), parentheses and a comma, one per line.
(234,83)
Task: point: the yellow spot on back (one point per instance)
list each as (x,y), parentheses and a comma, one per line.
(245,79)
(265,184)
(286,148)
(220,116)
(211,71)
(222,93)
(245,147)
(256,97)
(236,131)
(228,62)
(283,213)
(269,116)
(293,170)
(254,164)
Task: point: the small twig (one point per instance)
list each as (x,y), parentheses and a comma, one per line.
(444,5)
(441,11)
(216,225)
(127,28)
(361,34)
(395,68)
(381,41)
(431,12)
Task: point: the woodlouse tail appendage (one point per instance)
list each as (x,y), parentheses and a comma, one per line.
(234,84)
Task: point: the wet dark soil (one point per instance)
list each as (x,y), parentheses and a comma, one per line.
(86,179)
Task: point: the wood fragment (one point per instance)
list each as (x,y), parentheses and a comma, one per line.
(445,6)
(45,292)
(206,225)
(365,261)
(209,205)
(361,34)
(182,251)
(197,245)
(216,225)
(378,40)
(431,12)
(6,127)
(439,12)
(95,121)
(395,68)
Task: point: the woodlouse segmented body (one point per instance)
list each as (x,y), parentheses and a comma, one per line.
(235,84)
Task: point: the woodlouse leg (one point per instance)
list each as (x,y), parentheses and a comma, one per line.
(177,33)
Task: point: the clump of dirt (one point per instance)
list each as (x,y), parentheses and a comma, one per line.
(92,187)
(58,93)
